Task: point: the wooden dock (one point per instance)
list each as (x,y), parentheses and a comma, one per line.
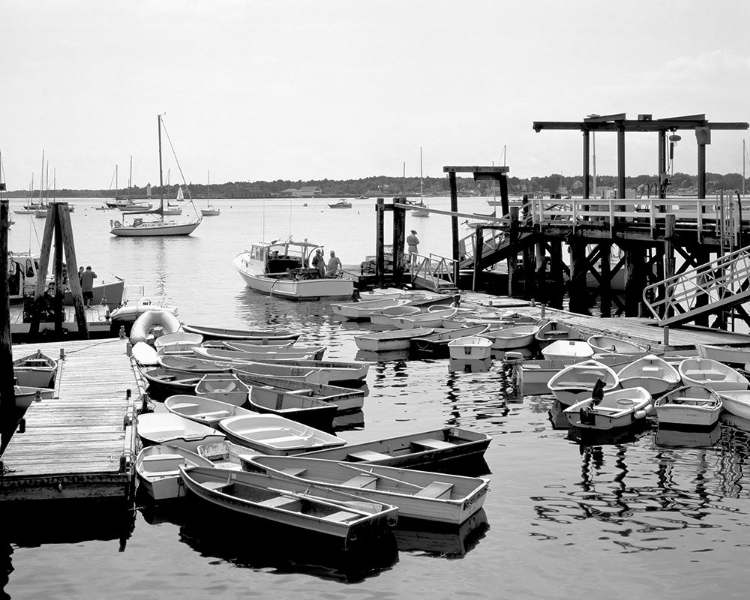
(97,318)
(82,443)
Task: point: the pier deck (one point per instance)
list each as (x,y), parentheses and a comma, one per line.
(97,318)
(80,444)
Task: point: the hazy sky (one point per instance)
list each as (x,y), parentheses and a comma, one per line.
(264,90)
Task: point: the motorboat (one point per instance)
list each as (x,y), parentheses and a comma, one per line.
(35,370)
(650,372)
(711,373)
(341,204)
(225,387)
(202,409)
(576,382)
(618,408)
(690,405)
(437,497)
(157,468)
(283,269)
(135,303)
(272,434)
(168,428)
(474,347)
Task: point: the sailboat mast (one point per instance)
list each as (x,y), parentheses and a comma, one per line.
(161,180)
(41,183)
(116,182)
(421,189)
(130,176)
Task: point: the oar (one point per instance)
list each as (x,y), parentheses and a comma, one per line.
(348,466)
(336,503)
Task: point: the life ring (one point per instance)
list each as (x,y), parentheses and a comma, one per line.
(150,319)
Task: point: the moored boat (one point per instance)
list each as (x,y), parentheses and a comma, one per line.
(553,331)
(177,343)
(386,341)
(567,350)
(430,318)
(437,341)
(158,469)
(272,434)
(711,373)
(361,311)
(203,410)
(25,395)
(268,353)
(225,387)
(163,383)
(690,405)
(438,497)
(608,343)
(386,317)
(219,333)
(192,364)
(280,370)
(269,388)
(307,410)
(576,382)
(168,428)
(618,408)
(35,370)
(340,372)
(225,455)
(312,508)
(650,372)
(512,338)
(737,354)
(736,402)
(474,347)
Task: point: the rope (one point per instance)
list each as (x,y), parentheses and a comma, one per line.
(108,341)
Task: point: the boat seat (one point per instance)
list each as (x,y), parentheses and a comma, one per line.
(304,392)
(162,463)
(650,369)
(279,440)
(183,404)
(340,516)
(366,455)
(219,486)
(279,502)
(294,471)
(437,489)
(431,444)
(363,480)
(215,413)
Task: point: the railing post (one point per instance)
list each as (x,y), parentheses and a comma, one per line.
(669,264)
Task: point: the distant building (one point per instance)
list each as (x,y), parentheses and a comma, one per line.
(309,191)
(288,193)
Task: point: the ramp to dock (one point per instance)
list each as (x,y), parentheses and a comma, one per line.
(80,444)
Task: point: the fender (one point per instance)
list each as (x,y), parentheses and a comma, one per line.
(150,319)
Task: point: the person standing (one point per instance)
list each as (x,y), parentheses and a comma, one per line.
(412,242)
(319,263)
(334,266)
(87,286)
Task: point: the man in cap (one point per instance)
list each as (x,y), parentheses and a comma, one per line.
(412,241)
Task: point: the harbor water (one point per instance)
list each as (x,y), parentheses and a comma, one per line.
(646,514)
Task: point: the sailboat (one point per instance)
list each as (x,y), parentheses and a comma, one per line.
(41,212)
(141,227)
(209,211)
(420,213)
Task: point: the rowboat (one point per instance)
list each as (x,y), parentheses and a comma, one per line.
(691,405)
(300,408)
(273,346)
(438,497)
(608,343)
(281,370)
(540,371)
(225,455)
(168,428)
(25,395)
(569,351)
(218,333)
(553,331)
(736,402)
(474,347)
(511,338)
(386,317)
(711,373)
(650,372)
(312,508)
(361,311)
(416,449)
(269,388)
(272,352)
(225,387)
(576,382)
(205,411)
(619,408)
(35,370)
(733,354)
(177,343)
(430,318)
(163,383)
(272,434)
(157,468)
(340,372)
(192,364)
(616,360)
(386,341)
(437,342)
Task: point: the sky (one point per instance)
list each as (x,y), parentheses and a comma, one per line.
(303,90)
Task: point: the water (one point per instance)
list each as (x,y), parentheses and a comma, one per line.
(652,514)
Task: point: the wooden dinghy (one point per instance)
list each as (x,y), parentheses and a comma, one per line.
(35,370)
(301,408)
(272,434)
(568,351)
(733,354)
(711,373)
(168,428)
(163,383)
(269,388)
(177,343)
(576,382)
(225,455)
(386,317)
(361,311)
(416,449)
(608,343)
(158,469)
(437,342)
(553,331)
(474,347)
(291,348)
(304,374)
(273,352)
(437,497)
(736,402)
(192,364)
(512,338)
(203,410)
(218,333)
(619,408)
(225,387)
(387,341)
(340,372)
(690,405)
(312,508)
(432,318)
(25,395)
(650,372)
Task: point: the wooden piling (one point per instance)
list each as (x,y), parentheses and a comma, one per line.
(605,286)
(399,226)
(7,394)
(513,255)
(454,224)
(478,250)
(578,291)
(66,228)
(668,259)
(380,241)
(635,280)
(529,272)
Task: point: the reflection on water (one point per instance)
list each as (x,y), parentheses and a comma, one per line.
(440,539)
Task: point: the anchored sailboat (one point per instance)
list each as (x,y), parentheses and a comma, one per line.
(209,211)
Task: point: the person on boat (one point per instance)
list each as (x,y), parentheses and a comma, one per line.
(87,286)
(334,266)
(412,241)
(319,263)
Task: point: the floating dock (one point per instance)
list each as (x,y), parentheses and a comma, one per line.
(82,443)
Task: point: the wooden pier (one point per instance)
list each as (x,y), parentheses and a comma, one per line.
(80,444)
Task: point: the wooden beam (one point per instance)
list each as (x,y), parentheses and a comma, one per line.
(7,394)
(640,126)
(72,264)
(476,169)
(454,224)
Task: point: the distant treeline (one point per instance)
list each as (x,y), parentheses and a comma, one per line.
(400,186)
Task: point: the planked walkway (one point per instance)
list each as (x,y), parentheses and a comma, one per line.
(80,444)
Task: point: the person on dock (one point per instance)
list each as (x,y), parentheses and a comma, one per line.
(334,266)
(319,263)
(412,241)
(87,286)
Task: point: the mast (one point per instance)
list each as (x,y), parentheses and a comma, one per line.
(116,182)
(41,183)
(130,176)
(744,160)
(421,196)
(161,180)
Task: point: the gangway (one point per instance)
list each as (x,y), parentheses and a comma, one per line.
(433,272)
(715,286)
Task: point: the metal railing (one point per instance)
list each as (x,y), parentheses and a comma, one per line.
(436,271)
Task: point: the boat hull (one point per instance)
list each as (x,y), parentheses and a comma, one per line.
(689,406)
(167,229)
(621,408)
(157,468)
(736,402)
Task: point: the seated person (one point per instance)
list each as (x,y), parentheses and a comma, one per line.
(334,266)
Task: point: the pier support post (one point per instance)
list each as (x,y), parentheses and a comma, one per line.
(478,250)
(635,280)
(529,272)
(557,270)
(399,225)
(513,256)
(454,225)
(605,288)
(668,259)
(7,394)
(578,290)
(66,229)
(540,273)
(380,241)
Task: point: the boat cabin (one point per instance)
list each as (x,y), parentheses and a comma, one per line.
(22,270)
(283,257)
